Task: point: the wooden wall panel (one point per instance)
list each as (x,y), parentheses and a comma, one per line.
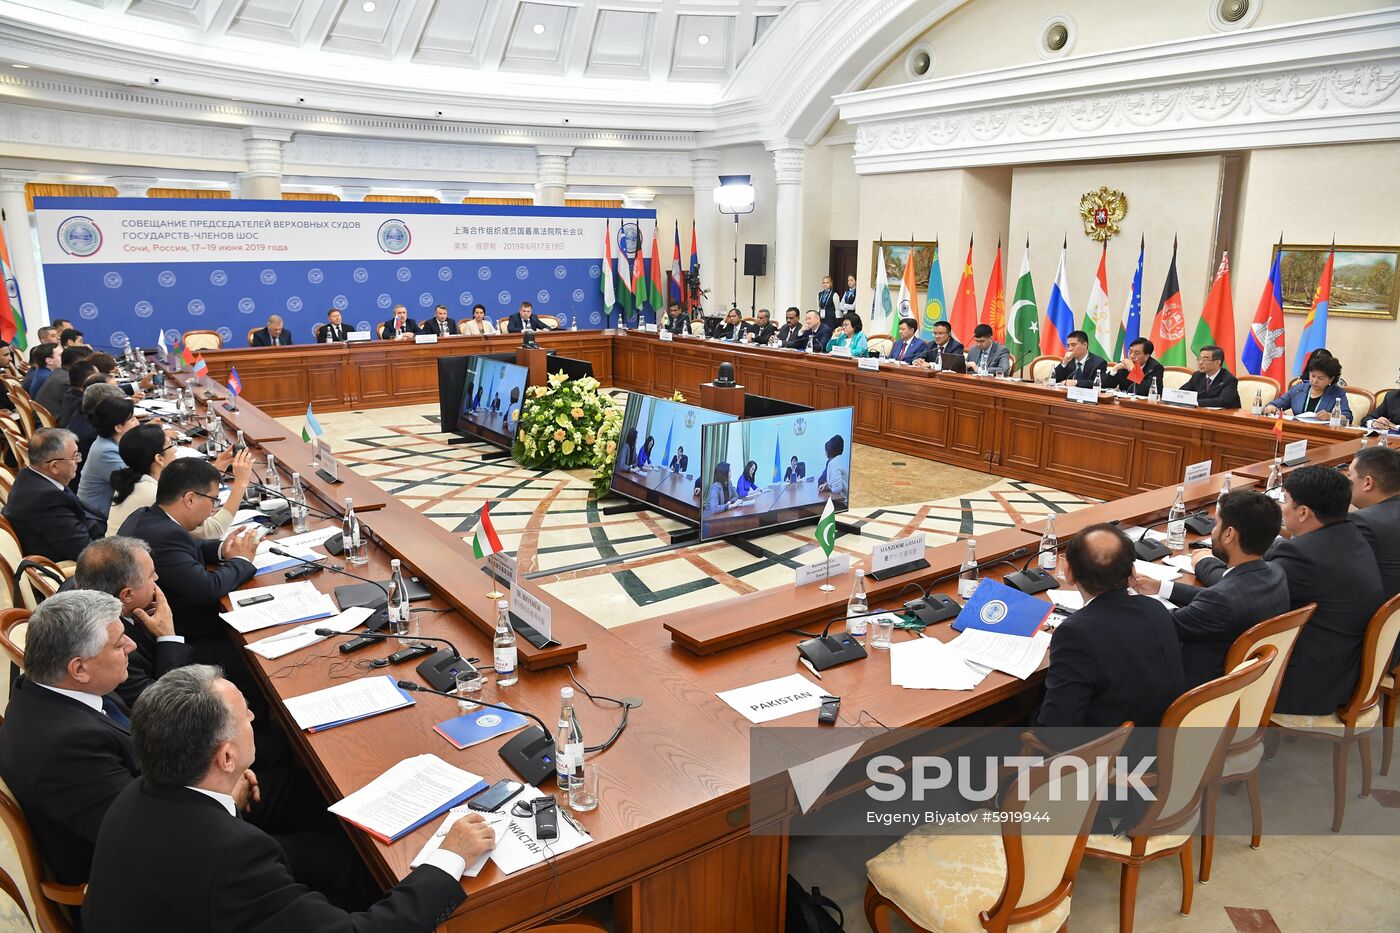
(726,888)
(1076,455)
(1162,462)
(923,422)
(374,383)
(790,388)
(1022,441)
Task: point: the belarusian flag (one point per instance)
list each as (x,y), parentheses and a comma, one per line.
(658,284)
(1169,326)
(1098,313)
(826,529)
(311,427)
(994,303)
(485,542)
(609,295)
(188,355)
(1217,324)
(11,312)
(1131,327)
(1023,338)
(964,313)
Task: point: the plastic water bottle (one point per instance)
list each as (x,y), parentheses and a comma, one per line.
(274,479)
(1224,491)
(811,338)
(573,324)
(1049,544)
(504,647)
(1176,521)
(1152,391)
(1273,487)
(242,444)
(297,498)
(1098,383)
(1258,407)
(350,535)
(399,612)
(1336,419)
(568,743)
(858,604)
(937,361)
(967,579)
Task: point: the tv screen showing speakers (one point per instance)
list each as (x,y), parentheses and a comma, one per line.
(761,474)
(658,454)
(492,395)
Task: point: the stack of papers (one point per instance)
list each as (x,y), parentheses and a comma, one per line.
(283,643)
(1156,571)
(1012,654)
(408,795)
(1182,562)
(516,845)
(929,664)
(308,539)
(291,602)
(267,562)
(1067,599)
(348,702)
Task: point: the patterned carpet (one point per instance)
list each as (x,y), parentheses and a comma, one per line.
(546,520)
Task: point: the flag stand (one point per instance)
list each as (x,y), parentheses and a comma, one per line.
(495,587)
(826,586)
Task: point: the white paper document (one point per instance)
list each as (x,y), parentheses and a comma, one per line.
(1156,571)
(929,664)
(308,539)
(267,562)
(404,795)
(774,699)
(1067,599)
(284,643)
(1012,654)
(1181,562)
(300,602)
(354,700)
(516,845)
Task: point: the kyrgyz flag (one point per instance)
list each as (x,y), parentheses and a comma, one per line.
(1217,324)
(826,529)
(964,314)
(1169,326)
(485,541)
(1023,338)
(994,302)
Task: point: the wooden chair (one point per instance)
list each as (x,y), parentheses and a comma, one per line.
(10,436)
(1246,751)
(1249,385)
(197,341)
(251,332)
(879,346)
(1020,881)
(1174,377)
(37,579)
(43,417)
(553,321)
(27,421)
(13,625)
(7,481)
(1043,366)
(41,898)
(1390,698)
(1352,724)
(501,323)
(1361,401)
(1191,744)
(1380,396)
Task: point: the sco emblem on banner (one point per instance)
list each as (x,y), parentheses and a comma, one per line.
(268,277)
(314,276)
(404,274)
(112,280)
(394,236)
(79,236)
(445,274)
(87,310)
(578,294)
(360,275)
(218,278)
(246,306)
(165,279)
(144,308)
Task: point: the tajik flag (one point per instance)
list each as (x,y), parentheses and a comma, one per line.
(1023,333)
(1097,315)
(311,427)
(1217,324)
(1169,326)
(485,542)
(826,528)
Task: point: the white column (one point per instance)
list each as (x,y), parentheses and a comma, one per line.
(552,166)
(704,168)
(21,245)
(787,246)
(453,195)
(130,186)
(262,150)
(352,193)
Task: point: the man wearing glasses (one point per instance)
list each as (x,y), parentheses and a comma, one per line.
(46,514)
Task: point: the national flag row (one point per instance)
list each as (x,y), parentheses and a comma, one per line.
(634,286)
(1028,334)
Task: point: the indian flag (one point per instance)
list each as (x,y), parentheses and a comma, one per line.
(485,542)
(826,529)
(311,427)
(609,295)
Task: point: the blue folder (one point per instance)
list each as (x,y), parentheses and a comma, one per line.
(996,607)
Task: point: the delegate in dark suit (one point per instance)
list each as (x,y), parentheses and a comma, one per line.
(391,331)
(331,333)
(515,324)
(1152,372)
(1081,371)
(908,351)
(818,339)
(444,328)
(952,346)
(173,859)
(263,338)
(150,659)
(1223,391)
(761,333)
(1387,408)
(1379,524)
(51,522)
(1115,660)
(731,331)
(1210,618)
(66,763)
(788,332)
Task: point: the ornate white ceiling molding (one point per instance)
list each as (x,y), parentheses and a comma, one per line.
(1325,81)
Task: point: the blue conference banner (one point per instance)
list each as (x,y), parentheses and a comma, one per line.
(129,268)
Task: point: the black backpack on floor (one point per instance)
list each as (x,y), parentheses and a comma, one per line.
(808,911)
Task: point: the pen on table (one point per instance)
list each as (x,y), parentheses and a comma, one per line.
(808,664)
(565,814)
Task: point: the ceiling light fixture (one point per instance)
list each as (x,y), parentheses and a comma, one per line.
(368,6)
(703,40)
(17,65)
(538,29)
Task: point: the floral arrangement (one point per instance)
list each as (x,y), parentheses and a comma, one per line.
(561,424)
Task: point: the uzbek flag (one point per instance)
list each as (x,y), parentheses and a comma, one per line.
(485,541)
(201,368)
(235,385)
(1314,333)
(311,427)
(1169,326)
(1217,324)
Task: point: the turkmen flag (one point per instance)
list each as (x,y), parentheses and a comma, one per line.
(485,542)
(1023,325)
(311,427)
(826,529)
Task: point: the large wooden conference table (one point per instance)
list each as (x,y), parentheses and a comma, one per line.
(672,845)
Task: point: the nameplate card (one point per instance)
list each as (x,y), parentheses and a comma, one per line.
(1088,396)
(425,338)
(834,566)
(329,464)
(666,336)
(503,566)
(774,699)
(1295,452)
(531,611)
(357,336)
(871,363)
(1179,397)
(648,328)
(840,351)
(1198,471)
(897,553)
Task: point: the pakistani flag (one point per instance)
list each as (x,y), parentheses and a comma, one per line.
(826,529)
(1023,330)
(311,428)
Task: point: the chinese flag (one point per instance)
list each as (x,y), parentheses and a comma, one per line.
(994,302)
(964,312)
(1136,375)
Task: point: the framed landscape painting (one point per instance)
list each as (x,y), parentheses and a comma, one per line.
(896,251)
(1365,282)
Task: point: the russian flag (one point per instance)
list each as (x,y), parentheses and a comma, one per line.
(1059,317)
(1314,333)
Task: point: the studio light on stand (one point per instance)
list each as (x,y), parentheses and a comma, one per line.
(735,196)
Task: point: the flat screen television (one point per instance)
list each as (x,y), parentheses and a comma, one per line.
(574,369)
(761,474)
(658,454)
(492,395)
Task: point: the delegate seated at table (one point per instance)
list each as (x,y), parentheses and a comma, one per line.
(748,482)
(680,461)
(795,472)
(849,335)
(644,455)
(721,490)
(1319,393)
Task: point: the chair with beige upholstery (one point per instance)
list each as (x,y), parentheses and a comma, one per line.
(1251,385)
(1042,366)
(197,341)
(24,408)
(1246,751)
(37,579)
(1191,744)
(697,328)
(1174,377)
(1352,724)
(40,898)
(43,418)
(1381,395)
(1361,401)
(1022,881)
(7,481)
(880,345)
(14,623)
(549,319)
(1390,699)
(12,438)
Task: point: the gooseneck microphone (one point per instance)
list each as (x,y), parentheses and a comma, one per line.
(529,754)
(440,669)
(282,494)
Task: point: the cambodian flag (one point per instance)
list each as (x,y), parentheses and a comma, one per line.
(1263,349)
(235,385)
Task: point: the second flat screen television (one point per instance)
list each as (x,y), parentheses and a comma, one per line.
(492,395)
(658,454)
(764,473)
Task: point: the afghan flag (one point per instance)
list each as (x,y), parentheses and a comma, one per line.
(485,541)
(1023,339)
(994,303)
(1314,333)
(964,313)
(12,325)
(311,427)
(658,284)
(201,368)
(1098,315)
(1059,316)
(1169,326)
(677,276)
(1263,349)
(235,385)
(1217,324)
(1131,328)
(826,529)
(935,305)
(609,295)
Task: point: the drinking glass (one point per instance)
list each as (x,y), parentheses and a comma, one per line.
(468,686)
(583,793)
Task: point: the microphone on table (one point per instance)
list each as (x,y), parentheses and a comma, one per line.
(282,494)
(335,568)
(440,670)
(530,753)
(827,650)
(1148,549)
(936,607)
(1032,580)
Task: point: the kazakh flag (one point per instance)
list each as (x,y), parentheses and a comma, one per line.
(936,306)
